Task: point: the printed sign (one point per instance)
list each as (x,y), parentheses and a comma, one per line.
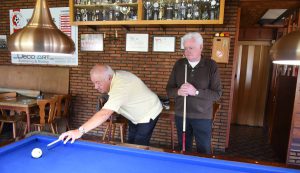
(220,50)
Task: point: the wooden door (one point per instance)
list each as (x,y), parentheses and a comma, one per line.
(282,105)
(251,83)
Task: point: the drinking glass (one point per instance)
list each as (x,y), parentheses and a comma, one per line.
(125,11)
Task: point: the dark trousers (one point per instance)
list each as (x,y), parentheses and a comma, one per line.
(141,133)
(200,128)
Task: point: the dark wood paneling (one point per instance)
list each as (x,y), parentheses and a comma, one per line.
(253,10)
(45,79)
(256,34)
(283,111)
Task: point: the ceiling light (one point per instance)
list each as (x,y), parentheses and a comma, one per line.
(41,35)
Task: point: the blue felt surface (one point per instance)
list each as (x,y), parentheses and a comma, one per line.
(88,157)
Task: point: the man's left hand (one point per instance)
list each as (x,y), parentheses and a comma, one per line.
(70,135)
(190,89)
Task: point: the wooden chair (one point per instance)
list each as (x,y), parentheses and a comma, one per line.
(46,116)
(63,109)
(12,119)
(216,108)
(116,120)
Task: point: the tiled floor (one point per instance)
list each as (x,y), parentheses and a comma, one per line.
(250,143)
(245,142)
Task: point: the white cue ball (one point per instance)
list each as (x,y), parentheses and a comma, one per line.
(36,153)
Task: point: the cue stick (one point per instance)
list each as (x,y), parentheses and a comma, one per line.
(184,111)
(54,142)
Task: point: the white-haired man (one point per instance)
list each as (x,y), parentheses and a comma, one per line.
(128,96)
(202,88)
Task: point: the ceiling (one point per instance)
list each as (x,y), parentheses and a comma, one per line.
(253,10)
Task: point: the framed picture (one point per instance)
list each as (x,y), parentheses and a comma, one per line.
(163,44)
(137,42)
(3,42)
(91,42)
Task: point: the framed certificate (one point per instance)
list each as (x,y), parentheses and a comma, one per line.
(91,42)
(137,42)
(163,44)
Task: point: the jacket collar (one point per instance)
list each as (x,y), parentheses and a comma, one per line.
(200,64)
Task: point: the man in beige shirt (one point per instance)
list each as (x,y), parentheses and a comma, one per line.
(128,96)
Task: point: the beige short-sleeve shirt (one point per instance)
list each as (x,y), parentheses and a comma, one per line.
(130,97)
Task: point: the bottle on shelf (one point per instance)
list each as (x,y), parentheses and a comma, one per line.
(169,11)
(189,12)
(161,13)
(155,10)
(213,9)
(78,15)
(176,15)
(195,9)
(148,8)
(182,10)
(205,5)
(116,12)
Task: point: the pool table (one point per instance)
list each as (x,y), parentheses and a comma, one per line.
(91,157)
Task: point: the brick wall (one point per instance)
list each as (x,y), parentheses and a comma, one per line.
(153,68)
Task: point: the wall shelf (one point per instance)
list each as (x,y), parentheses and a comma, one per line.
(138,6)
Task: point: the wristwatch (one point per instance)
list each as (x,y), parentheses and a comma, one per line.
(81,130)
(196,93)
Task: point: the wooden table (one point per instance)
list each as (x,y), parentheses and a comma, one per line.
(19,104)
